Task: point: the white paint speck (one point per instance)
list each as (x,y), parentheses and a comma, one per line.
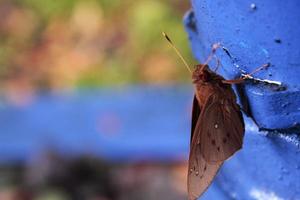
(278,83)
(257,93)
(259,194)
(253,6)
(265,51)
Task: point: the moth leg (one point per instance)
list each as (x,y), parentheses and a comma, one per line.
(234,81)
(246,76)
(218,63)
(212,53)
(257,69)
(249,76)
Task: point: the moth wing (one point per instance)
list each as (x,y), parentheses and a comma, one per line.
(195,115)
(222,129)
(200,172)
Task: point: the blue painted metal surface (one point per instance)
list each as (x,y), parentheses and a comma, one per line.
(254,33)
(146,123)
(267,168)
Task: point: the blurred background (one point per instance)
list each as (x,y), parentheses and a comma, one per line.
(94,103)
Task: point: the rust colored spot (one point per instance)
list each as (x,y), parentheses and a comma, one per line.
(213,142)
(224,140)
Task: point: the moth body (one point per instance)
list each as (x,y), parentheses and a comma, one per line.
(217,128)
(209,83)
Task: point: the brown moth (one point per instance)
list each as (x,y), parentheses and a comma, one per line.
(217,124)
(217,128)
(221,125)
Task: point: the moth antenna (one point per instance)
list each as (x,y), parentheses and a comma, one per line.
(176,50)
(212,53)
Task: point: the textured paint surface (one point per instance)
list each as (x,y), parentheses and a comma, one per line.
(106,123)
(254,33)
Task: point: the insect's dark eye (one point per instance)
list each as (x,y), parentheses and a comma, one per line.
(204,76)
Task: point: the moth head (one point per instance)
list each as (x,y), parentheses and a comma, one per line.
(201,73)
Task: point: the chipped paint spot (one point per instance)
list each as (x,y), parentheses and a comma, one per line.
(259,194)
(265,52)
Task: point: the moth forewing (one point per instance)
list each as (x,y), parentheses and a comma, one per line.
(222,129)
(200,172)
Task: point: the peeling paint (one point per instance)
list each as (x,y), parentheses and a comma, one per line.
(265,52)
